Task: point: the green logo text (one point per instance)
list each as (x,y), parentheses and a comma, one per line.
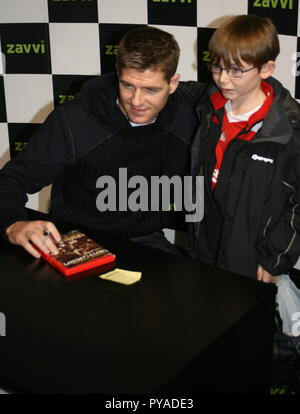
(65,98)
(19,146)
(111,49)
(206,57)
(285,4)
(27,48)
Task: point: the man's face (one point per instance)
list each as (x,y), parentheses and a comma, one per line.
(142,95)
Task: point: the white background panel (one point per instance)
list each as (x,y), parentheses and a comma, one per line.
(23,11)
(234,7)
(187,40)
(211,13)
(4,144)
(126,11)
(39,201)
(29,98)
(208,15)
(75,48)
(285,62)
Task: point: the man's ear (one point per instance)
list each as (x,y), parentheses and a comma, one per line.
(174,82)
(267,69)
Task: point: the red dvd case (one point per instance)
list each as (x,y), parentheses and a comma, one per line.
(77,253)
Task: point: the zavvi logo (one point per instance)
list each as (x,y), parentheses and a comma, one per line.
(2,324)
(284,4)
(26,48)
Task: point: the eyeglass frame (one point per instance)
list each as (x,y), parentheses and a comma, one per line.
(209,65)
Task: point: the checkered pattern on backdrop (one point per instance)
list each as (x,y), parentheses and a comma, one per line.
(49,47)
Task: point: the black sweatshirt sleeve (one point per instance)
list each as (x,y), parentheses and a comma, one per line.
(49,150)
(195,91)
(279,249)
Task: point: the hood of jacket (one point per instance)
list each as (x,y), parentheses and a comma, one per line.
(99,96)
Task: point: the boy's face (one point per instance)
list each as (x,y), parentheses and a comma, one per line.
(142,95)
(243,90)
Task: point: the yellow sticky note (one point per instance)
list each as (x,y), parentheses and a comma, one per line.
(126,277)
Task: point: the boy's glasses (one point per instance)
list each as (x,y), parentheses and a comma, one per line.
(233,72)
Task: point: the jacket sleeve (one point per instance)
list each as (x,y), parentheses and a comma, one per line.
(279,249)
(48,151)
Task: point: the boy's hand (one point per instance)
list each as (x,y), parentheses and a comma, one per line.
(43,234)
(265,276)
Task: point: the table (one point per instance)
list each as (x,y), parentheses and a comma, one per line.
(184,328)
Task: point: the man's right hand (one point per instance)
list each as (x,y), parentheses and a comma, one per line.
(43,234)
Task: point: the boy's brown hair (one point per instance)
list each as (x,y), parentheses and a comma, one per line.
(250,38)
(149,48)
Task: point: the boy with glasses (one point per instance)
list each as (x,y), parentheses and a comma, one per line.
(248,148)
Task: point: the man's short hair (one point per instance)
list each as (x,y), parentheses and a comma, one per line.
(149,48)
(250,38)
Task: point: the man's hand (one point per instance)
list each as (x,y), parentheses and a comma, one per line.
(265,276)
(43,234)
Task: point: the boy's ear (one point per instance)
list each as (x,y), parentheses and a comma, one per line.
(267,69)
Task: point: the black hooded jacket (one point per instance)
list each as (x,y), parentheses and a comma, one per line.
(87,138)
(253,215)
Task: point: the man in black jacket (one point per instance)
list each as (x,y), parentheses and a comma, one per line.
(137,123)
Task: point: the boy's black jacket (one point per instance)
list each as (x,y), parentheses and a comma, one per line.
(253,217)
